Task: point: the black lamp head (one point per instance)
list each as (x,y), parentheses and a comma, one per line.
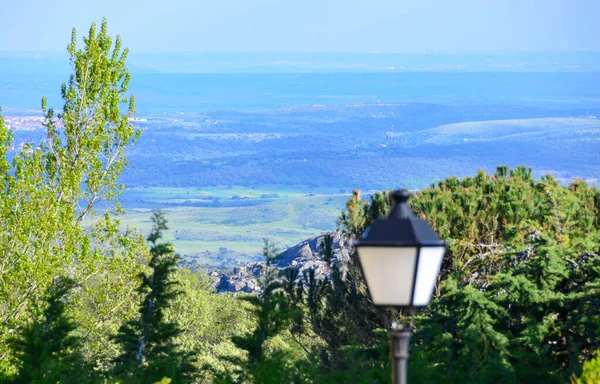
(400,257)
(400,228)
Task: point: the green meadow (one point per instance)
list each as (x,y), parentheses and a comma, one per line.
(226,226)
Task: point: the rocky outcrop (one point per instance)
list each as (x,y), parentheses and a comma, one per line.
(303,257)
(241,279)
(306,250)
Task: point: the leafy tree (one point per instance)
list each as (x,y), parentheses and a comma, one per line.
(50,191)
(590,373)
(149,351)
(46,351)
(272,317)
(208,321)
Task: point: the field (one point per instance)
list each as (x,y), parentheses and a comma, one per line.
(233,232)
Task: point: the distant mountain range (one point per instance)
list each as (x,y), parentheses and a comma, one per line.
(279,62)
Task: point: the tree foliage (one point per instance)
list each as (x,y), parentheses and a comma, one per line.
(517,296)
(516,299)
(272,316)
(45,349)
(148,348)
(51,189)
(82,300)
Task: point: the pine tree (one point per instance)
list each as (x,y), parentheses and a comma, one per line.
(272,316)
(517,296)
(45,348)
(149,352)
(335,328)
(518,292)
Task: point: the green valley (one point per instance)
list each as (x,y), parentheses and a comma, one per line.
(226,226)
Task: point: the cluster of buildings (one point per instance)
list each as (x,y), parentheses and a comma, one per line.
(24,123)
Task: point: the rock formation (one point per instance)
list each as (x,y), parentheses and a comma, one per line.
(303,257)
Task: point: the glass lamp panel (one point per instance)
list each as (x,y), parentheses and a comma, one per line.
(430,262)
(389,272)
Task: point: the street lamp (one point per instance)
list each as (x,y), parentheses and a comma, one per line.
(400,257)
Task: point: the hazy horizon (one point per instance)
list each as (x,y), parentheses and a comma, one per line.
(311,25)
(298,62)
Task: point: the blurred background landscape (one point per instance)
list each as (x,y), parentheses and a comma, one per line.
(241,146)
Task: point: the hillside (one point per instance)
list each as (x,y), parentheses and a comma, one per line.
(565,130)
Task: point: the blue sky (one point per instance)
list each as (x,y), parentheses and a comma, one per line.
(309,25)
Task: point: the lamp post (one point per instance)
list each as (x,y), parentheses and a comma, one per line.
(400,257)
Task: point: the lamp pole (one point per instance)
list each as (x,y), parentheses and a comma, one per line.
(399,340)
(400,257)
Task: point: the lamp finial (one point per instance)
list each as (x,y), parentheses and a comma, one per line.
(400,208)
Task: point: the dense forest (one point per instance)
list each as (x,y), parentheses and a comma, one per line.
(82,301)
